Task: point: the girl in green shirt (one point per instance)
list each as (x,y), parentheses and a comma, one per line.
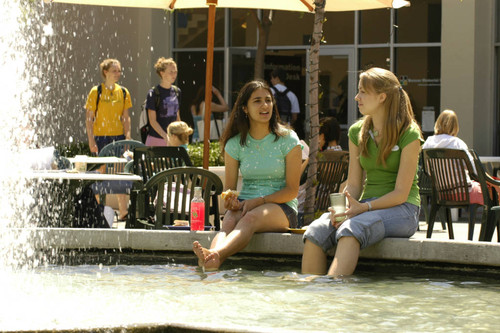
(382,191)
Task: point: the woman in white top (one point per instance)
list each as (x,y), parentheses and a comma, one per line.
(445,136)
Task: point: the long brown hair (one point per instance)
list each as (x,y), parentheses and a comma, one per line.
(238,120)
(399,113)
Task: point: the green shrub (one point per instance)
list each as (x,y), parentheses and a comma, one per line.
(73,149)
(195,151)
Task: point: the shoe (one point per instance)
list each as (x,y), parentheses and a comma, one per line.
(124,218)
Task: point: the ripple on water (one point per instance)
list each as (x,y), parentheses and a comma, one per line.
(96,295)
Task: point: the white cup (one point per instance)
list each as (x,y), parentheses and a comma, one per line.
(80,163)
(338,203)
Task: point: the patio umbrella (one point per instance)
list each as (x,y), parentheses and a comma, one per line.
(289,5)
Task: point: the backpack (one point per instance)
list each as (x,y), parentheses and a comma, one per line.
(144,125)
(283,104)
(99,92)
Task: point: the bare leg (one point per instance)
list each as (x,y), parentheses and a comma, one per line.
(228,224)
(313,259)
(200,252)
(346,257)
(265,218)
(122,205)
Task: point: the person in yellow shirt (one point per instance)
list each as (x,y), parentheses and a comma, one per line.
(107,106)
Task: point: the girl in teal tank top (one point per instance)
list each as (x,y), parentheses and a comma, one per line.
(268,155)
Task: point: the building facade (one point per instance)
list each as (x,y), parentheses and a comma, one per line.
(445,52)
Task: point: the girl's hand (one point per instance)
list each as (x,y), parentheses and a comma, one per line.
(333,217)
(231,202)
(248,205)
(355,207)
(93,149)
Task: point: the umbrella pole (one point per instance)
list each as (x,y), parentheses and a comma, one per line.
(212,4)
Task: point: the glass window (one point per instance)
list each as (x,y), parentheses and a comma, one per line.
(191,28)
(243,27)
(338,28)
(497,38)
(374,57)
(192,69)
(419,70)
(375,26)
(419,23)
(497,97)
(290,28)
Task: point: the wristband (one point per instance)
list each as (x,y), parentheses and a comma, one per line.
(264,199)
(369,205)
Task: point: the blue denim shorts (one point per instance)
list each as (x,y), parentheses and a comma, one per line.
(291,214)
(368,228)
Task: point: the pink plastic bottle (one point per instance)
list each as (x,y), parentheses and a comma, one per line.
(197,211)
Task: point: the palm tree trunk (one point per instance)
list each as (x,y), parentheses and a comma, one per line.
(313,111)
(264,28)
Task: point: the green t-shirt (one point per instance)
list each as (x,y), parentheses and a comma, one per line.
(263,163)
(381,180)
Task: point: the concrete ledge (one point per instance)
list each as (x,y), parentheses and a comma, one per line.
(418,250)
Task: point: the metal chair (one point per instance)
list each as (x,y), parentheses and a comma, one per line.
(491,211)
(332,171)
(449,170)
(166,197)
(117,149)
(149,161)
(425,191)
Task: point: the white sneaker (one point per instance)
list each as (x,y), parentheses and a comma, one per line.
(109,215)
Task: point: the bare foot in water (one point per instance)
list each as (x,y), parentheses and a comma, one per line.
(200,252)
(212,261)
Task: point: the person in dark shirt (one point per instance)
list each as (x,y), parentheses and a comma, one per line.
(164,111)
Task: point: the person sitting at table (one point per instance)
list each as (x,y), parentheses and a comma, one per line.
(268,155)
(445,136)
(178,133)
(329,134)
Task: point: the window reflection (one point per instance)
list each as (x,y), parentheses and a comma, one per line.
(419,70)
(375,26)
(290,28)
(192,25)
(374,57)
(419,23)
(192,69)
(243,27)
(338,28)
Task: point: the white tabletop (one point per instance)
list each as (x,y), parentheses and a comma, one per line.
(100,160)
(490,159)
(65,175)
